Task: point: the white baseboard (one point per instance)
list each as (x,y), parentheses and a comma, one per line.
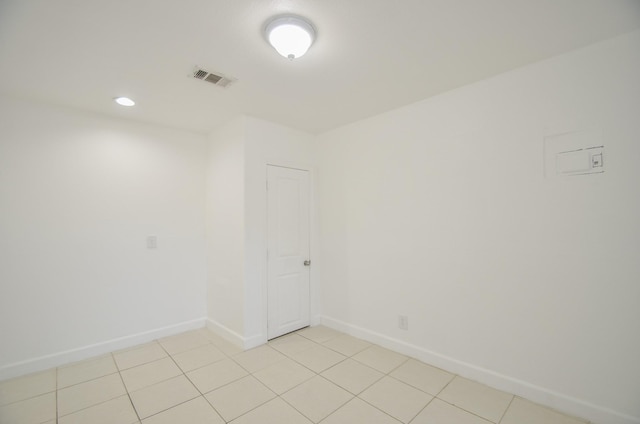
(541,395)
(85,352)
(254,341)
(233,337)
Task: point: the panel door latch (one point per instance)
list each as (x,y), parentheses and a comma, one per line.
(307,263)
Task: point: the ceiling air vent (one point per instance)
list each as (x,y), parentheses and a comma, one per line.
(213,78)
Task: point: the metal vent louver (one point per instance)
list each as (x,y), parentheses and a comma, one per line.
(213,78)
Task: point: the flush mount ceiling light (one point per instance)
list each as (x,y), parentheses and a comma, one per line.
(124,101)
(290,35)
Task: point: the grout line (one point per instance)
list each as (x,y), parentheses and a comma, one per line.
(56,396)
(445,386)
(95,404)
(386,413)
(171,407)
(249,374)
(210,341)
(304,350)
(369,385)
(506,409)
(396,367)
(468,412)
(135,410)
(251,410)
(214,409)
(87,381)
(197,388)
(322,419)
(36,395)
(146,345)
(255,407)
(89,406)
(280,396)
(425,407)
(225,356)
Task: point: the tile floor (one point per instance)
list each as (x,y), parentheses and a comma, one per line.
(316,375)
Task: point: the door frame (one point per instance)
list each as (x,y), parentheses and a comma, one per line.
(307,256)
(314,310)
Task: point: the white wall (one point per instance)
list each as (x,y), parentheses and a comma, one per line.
(440,211)
(237,221)
(79,194)
(225,229)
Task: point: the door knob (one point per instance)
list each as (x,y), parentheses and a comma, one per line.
(307,263)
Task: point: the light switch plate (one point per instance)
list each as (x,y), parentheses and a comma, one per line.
(152,242)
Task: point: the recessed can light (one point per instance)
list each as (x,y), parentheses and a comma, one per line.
(124,101)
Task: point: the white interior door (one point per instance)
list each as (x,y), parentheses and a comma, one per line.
(288,259)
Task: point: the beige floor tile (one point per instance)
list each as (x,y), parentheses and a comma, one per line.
(162,396)
(198,357)
(183,342)
(439,412)
(317,398)
(359,412)
(215,375)
(208,334)
(347,345)
(227,347)
(196,411)
(284,375)
(90,369)
(148,374)
(319,334)
(291,343)
(275,411)
(318,358)
(384,360)
(396,398)
(137,356)
(221,343)
(352,375)
(239,397)
(422,376)
(27,386)
(89,393)
(522,411)
(258,358)
(93,391)
(476,398)
(115,411)
(34,410)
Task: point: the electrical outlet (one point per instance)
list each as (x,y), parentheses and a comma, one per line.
(403,322)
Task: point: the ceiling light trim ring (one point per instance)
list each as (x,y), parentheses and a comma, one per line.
(290,35)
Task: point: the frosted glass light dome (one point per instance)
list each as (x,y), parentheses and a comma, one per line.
(124,101)
(291,36)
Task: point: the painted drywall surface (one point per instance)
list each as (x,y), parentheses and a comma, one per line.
(236,220)
(226,228)
(79,194)
(440,211)
(266,143)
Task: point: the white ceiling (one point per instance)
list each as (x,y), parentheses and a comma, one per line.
(370,56)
